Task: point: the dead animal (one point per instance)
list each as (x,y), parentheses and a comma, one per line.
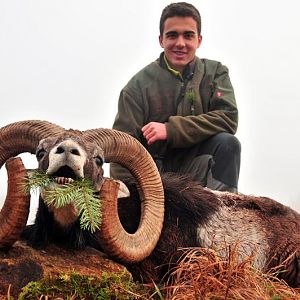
(145,228)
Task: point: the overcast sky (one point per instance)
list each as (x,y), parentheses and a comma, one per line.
(66,62)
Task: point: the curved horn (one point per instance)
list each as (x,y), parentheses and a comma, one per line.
(18,138)
(24,136)
(14,212)
(122,148)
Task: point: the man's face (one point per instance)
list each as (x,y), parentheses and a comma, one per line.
(180,41)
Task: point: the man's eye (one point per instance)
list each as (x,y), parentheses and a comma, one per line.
(171,35)
(40,154)
(189,35)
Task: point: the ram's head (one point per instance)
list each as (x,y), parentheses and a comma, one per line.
(69,155)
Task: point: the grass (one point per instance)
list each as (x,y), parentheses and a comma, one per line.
(74,286)
(201,274)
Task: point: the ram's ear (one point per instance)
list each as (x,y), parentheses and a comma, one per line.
(123,191)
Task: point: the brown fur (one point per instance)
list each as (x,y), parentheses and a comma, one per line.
(188,206)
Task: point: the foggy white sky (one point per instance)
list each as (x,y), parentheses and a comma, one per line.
(66,62)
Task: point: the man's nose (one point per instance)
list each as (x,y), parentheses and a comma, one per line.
(180,42)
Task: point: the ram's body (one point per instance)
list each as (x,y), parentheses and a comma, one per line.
(187,216)
(198,217)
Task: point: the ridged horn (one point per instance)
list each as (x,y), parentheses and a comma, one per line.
(17,138)
(121,148)
(24,136)
(15,211)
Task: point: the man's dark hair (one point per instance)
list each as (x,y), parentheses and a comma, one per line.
(180,9)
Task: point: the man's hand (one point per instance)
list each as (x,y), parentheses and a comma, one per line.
(154,131)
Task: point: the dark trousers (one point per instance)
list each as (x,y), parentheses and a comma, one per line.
(215,163)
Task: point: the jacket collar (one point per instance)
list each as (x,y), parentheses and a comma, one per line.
(187,73)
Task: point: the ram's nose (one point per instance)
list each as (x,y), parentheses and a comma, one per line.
(67,153)
(67,149)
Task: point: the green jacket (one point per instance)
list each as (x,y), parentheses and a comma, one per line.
(194,106)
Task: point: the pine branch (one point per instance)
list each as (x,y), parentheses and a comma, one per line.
(61,196)
(89,208)
(36,180)
(80,193)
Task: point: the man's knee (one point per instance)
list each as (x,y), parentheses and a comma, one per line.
(227,159)
(228,143)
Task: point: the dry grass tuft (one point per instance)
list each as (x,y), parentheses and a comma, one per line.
(202,274)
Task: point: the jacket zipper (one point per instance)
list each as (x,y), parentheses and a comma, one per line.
(190,96)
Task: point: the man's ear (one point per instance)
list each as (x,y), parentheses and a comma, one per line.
(160,38)
(199,40)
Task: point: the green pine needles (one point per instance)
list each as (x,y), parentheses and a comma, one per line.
(191,96)
(80,193)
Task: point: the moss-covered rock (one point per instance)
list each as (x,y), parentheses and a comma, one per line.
(76,286)
(23,264)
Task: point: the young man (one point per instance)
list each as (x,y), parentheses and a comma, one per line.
(182,108)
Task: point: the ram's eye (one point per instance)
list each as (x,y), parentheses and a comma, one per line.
(99,161)
(40,154)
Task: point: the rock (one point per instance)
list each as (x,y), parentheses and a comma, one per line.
(22,264)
